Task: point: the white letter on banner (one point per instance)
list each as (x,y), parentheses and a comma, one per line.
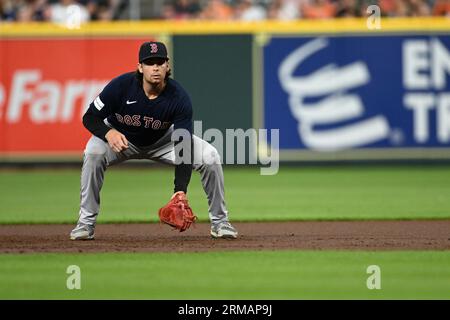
(415,60)
(19,93)
(45,107)
(443,120)
(2,99)
(93,90)
(73,91)
(420,103)
(441,63)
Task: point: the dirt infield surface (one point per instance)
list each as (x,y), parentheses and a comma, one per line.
(349,235)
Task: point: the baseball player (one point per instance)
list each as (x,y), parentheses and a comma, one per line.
(134,118)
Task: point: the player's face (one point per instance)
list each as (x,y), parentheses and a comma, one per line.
(154,70)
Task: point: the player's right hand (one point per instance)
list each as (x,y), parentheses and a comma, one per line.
(116,140)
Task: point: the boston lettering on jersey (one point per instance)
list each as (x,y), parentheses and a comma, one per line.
(125,106)
(135,120)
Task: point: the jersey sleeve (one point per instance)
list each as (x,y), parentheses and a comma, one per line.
(183,120)
(99,109)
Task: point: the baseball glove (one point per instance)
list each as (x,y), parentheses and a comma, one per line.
(177,212)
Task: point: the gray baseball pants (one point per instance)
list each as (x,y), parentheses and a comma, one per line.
(98,155)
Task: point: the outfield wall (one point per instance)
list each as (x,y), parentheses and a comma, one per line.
(335,89)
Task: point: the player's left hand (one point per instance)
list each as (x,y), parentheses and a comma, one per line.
(177,213)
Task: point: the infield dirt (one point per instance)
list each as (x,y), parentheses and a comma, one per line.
(342,235)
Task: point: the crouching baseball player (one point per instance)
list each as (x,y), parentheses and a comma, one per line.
(134,118)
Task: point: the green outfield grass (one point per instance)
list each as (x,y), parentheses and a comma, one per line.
(310,193)
(228,275)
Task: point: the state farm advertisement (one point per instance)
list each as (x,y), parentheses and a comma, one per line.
(46,86)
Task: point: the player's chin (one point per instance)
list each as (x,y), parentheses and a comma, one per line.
(155,80)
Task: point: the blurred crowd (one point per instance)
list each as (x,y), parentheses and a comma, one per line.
(245,10)
(251,10)
(59,11)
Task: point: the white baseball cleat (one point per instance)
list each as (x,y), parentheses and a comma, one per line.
(82,232)
(223,230)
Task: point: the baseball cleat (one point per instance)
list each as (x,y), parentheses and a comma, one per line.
(224,230)
(82,232)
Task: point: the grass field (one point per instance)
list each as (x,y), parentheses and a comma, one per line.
(312,193)
(228,275)
(325,193)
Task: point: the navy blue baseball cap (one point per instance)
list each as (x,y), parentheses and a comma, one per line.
(152,49)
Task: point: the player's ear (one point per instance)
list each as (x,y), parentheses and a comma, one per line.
(139,65)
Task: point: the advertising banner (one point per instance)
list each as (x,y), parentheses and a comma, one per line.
(47,84)
(361,96)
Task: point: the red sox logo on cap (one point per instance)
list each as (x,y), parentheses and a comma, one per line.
(152,49)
